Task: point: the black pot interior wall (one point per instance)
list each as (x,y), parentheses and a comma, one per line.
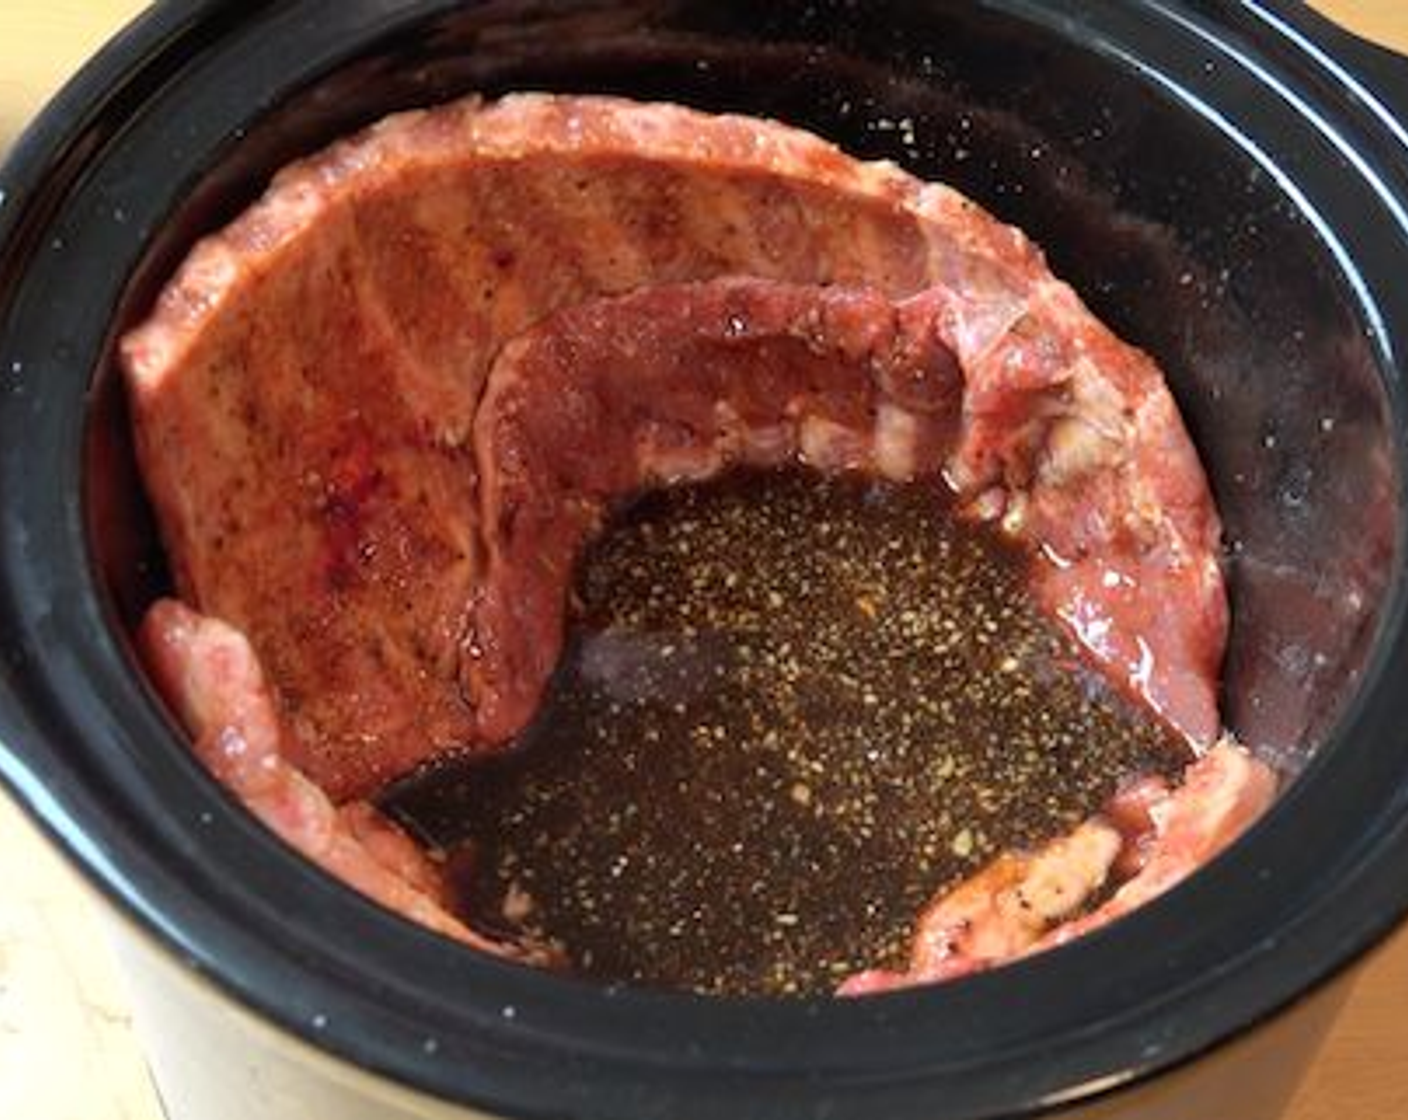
(1184,243)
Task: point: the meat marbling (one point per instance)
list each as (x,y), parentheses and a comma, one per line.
(673,383)
(379,415)
(305,392)
(211,676)
(1086,460)
(1024,903)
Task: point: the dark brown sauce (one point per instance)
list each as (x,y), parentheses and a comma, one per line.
(792,709)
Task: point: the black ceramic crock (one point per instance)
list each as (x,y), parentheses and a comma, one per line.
(1226,182)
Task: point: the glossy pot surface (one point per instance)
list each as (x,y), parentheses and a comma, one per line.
(1227,185)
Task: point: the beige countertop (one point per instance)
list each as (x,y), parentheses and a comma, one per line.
(67,1051)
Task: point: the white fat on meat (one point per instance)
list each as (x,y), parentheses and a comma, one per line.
(1026,903)
(897,433)
(211,677)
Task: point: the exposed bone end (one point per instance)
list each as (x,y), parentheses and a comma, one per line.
(896,443)
(210,675)
(832,447)
(1075,449)
(1002,911)
(1022,904)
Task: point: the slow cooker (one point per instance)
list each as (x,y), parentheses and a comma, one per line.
(1225,181)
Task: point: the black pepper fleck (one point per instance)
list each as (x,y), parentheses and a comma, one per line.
(791,710)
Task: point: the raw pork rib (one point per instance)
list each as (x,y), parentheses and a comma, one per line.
(305,396)
(381,413)
(210,675)
(1022,904)
(677,382)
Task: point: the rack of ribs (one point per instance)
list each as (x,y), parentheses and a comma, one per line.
(381,413)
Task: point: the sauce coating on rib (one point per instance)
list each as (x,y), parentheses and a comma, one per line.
(791,710)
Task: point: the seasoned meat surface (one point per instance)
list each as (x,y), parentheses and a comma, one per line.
(1024,903)
(1085,460)
(210,676)
(1220,797)
(380,415)
(304,392)
(674,383)
(306,396)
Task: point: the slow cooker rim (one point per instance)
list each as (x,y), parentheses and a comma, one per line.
(113,859)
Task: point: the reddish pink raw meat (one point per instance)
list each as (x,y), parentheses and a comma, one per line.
(677,382)
(210,676)
(379,415)
(1023,904)
(1087,458)
(999,913)
(305,395)
(1221,796)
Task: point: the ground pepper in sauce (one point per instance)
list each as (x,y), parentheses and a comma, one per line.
(792,708)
